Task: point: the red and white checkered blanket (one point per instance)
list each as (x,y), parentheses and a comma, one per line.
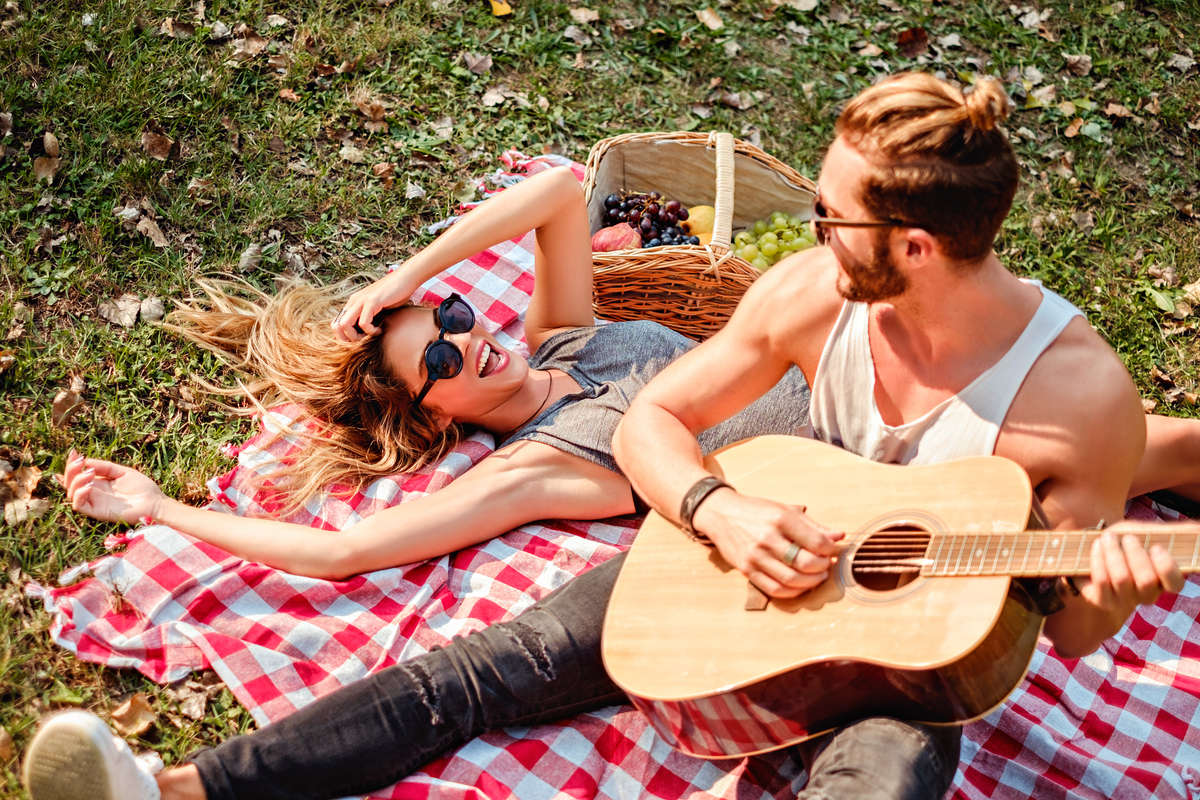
(1121,723)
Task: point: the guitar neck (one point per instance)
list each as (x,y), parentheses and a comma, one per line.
(1041,553)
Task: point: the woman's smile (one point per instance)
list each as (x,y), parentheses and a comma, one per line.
(489,360)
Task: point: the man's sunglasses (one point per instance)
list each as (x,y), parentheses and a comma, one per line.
(443,359)
(821,221)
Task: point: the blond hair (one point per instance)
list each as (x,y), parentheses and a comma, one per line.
(286,352)
(939,159)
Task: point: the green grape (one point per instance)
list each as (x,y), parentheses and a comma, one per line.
(748,252)
(760,263)
(769,236)
(787,235)
(767,247)
(743,238)
(796,221)
(760,227)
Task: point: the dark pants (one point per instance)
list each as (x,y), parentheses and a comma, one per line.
(541,667)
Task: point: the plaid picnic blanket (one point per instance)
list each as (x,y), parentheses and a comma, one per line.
(1121,723)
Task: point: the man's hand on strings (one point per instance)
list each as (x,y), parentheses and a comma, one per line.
(779,548)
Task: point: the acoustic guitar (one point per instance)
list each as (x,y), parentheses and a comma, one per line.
(918,620)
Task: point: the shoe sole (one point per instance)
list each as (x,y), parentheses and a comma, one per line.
(65,764)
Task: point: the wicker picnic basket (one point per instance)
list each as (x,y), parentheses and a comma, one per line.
(690,288)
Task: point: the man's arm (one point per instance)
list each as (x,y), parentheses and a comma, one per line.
(1081,449)
(782,320)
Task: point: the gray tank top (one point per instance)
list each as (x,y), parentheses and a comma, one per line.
(611,363)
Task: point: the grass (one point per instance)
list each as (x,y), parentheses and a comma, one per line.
(258,166)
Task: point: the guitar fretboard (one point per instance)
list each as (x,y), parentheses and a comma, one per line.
(1038,553)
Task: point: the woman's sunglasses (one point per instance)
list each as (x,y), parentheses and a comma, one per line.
(821,221)
(443,359)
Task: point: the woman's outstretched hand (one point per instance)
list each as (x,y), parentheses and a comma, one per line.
(357,317)
(109,491)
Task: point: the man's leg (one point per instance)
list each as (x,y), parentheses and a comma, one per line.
(882,759)
(542,666)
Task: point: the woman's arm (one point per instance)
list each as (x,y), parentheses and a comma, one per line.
(524,482)
(550,204)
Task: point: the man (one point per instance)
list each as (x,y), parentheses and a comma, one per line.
(920,347)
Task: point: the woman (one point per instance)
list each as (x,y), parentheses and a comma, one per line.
(397,395)
(419,373)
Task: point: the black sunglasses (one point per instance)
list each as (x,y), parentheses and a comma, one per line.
(821,221)
(443,359)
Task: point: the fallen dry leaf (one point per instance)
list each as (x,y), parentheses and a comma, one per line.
(1163,275)
(1117,110)
(21,482)
(19,511)
(352,154)
(149,228)
(913,42)
(385,171)
(1080,64)
(250,257)
(7,359)
(122,311)
(584,16)
(711,19)
(135,716)
(157,146)
(478,64)
(443,128)
(1073,129)
(1084,221)
(413,191)
(1180,62)
(247,48)
(289,95)
(492,97)
(276,21)
(1149,405)
(152,309)
(276,145)
(5,124)
(577,35)
(6,745)
(67,402)
(500,8)
(50,144)
(371,108)
(45,168)
(176,29)
(869,50)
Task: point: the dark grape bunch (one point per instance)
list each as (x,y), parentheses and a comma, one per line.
(650,214)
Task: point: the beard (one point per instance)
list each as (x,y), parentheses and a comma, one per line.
(873,281)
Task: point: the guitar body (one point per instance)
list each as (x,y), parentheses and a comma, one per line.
(717,681)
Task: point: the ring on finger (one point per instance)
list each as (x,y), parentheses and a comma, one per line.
(790,555)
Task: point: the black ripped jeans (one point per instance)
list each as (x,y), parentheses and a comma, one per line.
(540,667)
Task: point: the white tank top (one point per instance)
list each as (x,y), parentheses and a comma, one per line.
(966,424)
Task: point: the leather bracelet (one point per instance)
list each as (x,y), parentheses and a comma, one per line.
(692,499)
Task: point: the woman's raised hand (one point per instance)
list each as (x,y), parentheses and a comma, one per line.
(109,491)
(357,317)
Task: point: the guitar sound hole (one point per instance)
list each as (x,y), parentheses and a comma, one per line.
(890,558)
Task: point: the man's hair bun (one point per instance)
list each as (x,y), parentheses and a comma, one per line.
(987,104)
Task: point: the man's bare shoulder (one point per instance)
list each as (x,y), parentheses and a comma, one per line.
(795,303)
(1077,410)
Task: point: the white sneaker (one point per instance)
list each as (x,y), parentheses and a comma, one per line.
(74,756)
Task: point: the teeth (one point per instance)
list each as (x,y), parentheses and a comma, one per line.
(484,352)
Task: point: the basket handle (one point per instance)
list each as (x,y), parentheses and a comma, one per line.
(723,222)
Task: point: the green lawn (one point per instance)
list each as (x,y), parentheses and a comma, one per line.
(275,117)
